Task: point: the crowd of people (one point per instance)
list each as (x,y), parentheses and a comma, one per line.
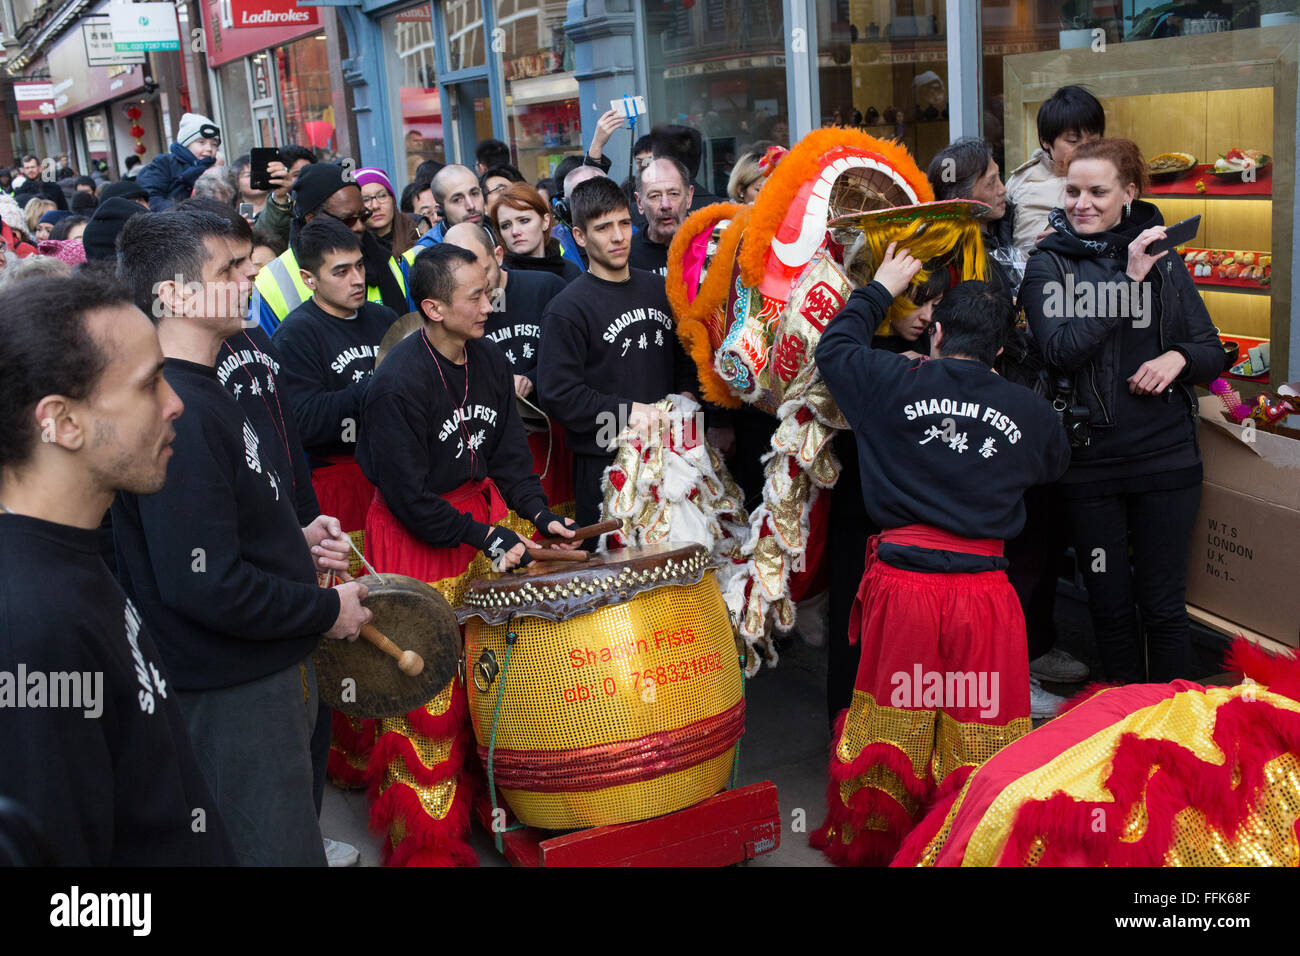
(196,435)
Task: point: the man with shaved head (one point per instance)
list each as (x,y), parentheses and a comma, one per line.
(519,298)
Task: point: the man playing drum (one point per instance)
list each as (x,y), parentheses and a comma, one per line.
(442,442)
(947,448)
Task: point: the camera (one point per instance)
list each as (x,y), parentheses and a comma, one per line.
(1076,418)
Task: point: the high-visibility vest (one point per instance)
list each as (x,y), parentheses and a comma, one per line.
(280,284)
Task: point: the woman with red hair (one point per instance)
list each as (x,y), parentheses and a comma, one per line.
(520,217)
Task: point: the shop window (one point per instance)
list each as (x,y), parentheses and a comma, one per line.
(718,65)
(413,77)
(1191,81)
(542,112)
(882,67)
(304,75)
(463,21)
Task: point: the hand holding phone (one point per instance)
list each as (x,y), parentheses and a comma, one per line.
(259,174)
(1180,233)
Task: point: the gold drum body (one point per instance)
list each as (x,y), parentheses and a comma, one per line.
(622,697)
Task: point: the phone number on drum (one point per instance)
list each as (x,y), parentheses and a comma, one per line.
(673,673)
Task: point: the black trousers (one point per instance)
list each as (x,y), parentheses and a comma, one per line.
(846,551)
(1158,527)
(1035,556)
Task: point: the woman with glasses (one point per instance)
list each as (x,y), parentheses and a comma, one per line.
(393,228)
(495,181)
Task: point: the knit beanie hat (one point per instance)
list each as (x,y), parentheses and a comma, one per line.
(368,175)
(71,251)
(100,237)
(314,185)
(123,189)
(194,125)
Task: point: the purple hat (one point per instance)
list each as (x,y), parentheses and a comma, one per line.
(368,174)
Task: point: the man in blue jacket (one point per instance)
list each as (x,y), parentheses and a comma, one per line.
(171,176)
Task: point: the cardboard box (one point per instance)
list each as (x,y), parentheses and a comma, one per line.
(1243,564)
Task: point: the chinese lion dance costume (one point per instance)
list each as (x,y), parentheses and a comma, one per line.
(752,288)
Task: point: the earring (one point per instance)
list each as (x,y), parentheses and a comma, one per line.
(1128,208)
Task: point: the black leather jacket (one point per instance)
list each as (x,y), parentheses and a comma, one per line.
(1087,348)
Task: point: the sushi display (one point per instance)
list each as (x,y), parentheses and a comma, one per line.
(1220,265)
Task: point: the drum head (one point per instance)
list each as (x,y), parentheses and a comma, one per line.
(396,332)
(360,680)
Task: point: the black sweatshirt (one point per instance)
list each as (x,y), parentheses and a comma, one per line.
(553,262)
(422,438)
(947,443)
(250,369)
(517,328)
(327,366)
(217,561)
(605,345)
(118,787)
(648,255)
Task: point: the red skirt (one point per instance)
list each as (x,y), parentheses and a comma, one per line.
(557,472)
(942,685)
(343,491)
(391,547)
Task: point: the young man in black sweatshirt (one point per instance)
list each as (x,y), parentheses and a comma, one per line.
(218,562)
(519,300)
(609,344)
(95,751)
(327,346)
(442,442)
(946,448)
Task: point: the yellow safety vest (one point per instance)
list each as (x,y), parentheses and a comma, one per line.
(280,284)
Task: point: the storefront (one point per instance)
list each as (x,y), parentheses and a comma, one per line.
(270,76)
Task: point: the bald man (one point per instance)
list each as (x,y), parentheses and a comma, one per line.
(519,298)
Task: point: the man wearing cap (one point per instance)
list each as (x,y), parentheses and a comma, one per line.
(325,189)
(171,176)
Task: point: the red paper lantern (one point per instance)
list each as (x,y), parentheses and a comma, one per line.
(133,112)
(136,131)
(141,149)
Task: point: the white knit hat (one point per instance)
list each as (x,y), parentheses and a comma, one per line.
(194,125)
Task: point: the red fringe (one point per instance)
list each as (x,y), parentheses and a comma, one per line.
(445,724)
(932,818)
(395,746)
(344,775)
(1279,673)
(428,842)
(1248,738)
(344,738)
(869,847)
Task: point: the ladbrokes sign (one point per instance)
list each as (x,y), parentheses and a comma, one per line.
(245,14)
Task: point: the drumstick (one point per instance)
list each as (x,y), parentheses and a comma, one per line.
(408,662)
(555,554)
(582,534)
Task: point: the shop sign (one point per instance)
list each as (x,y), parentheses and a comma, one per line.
(724,66)
(144,26)
(259,14)
(420,14)
(227,43)
(97,32)
(533,64)
(35,100)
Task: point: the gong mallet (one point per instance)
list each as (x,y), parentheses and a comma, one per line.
(555,554)
(408,662)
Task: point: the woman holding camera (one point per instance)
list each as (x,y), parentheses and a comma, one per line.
(1127,335)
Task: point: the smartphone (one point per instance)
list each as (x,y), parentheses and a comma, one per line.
(630,106)
(259,176)
(1180,233)
(246,210)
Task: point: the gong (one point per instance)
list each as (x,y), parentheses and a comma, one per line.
(408,652)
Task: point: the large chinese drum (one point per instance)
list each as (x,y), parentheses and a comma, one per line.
(620,697)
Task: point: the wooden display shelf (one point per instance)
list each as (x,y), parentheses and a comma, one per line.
(1184,186)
